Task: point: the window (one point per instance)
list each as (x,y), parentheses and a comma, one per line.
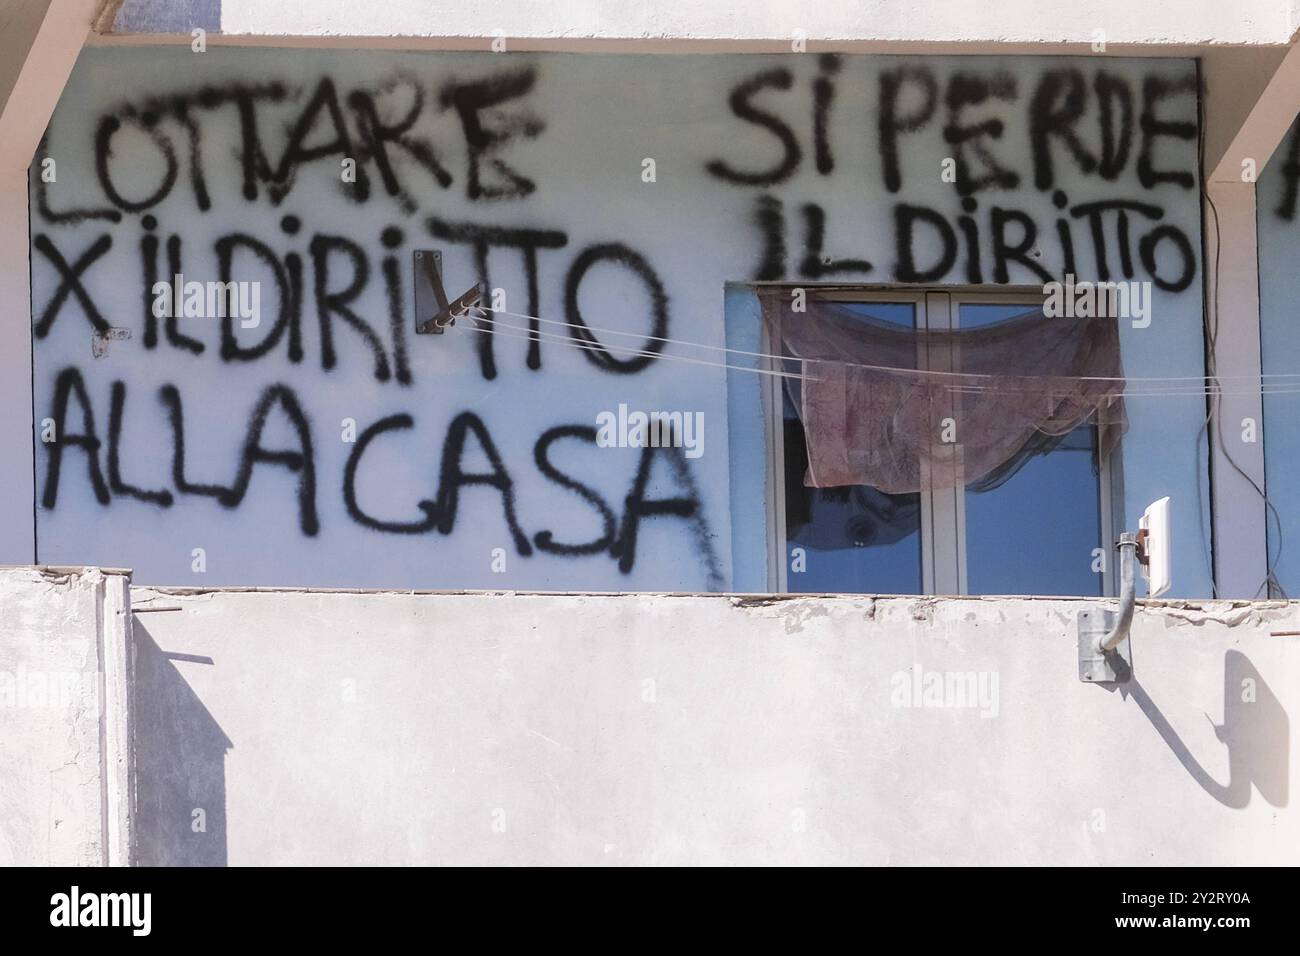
(1032,529)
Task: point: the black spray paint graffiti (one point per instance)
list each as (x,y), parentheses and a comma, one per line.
(1286,207)
(1013,239)
(335,271)
(911,99)
(413,140)
(340,273)
(77,431)
(484,124)
(1066,111)
(488,116)
(1096,122)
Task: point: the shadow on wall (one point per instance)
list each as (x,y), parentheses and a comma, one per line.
(1255,729)
(180,765)
(168,16)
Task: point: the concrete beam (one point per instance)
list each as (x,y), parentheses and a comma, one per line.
(1234,79)
(1156,23)
(1266,122)
(44,49)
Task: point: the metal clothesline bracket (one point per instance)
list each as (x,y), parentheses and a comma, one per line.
(1104,652)
(433,312)
(1105,655)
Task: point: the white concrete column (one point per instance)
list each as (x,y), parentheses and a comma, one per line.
(17,516)
(1237,425)
(39,42)
(1253,130)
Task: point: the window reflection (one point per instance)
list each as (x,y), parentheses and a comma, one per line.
(856,538)
(1031,528)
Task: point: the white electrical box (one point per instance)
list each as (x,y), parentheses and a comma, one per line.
(1157,570)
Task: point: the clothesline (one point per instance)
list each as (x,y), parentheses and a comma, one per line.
(1147,386)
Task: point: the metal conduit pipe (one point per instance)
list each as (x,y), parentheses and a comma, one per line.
(1127,592)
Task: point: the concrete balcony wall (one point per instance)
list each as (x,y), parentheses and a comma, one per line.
(314,727)
(337,727)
